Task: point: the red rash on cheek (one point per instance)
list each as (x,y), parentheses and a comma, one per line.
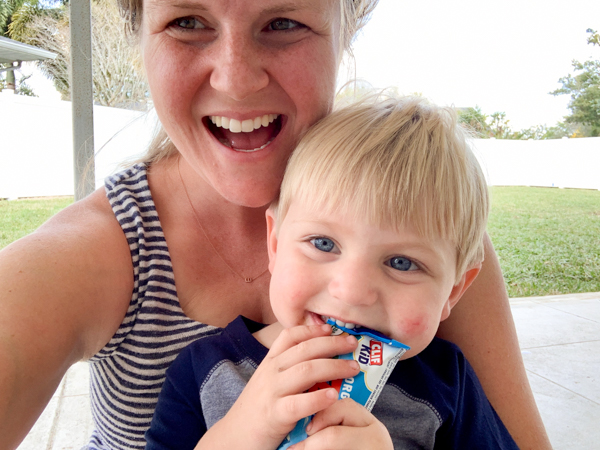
(414,326)
(296,295)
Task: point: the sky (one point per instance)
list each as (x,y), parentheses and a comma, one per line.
(498,55)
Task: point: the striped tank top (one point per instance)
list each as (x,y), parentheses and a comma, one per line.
(127,374)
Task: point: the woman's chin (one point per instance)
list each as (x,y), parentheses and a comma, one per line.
(258,198)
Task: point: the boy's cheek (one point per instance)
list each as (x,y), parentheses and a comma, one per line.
(288,288)
(413,326)
(298,296)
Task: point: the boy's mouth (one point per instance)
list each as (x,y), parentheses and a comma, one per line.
(340,323)
(248,135)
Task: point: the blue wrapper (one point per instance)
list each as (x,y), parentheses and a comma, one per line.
(377,356)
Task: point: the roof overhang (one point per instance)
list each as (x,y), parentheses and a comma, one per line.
(12,51)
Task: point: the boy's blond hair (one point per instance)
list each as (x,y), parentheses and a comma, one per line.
(394,162)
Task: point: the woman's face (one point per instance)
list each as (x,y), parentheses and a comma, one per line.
(267,67)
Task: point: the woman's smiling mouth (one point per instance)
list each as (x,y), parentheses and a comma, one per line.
(248,135)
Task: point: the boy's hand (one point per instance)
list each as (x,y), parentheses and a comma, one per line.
(345,425)
(275,399)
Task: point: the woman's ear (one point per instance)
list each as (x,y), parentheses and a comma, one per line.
(271,238)
(459,289)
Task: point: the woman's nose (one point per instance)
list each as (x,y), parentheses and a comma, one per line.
(238,69)
(354,284)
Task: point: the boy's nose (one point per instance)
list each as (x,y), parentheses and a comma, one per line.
(238,66)
(354,284)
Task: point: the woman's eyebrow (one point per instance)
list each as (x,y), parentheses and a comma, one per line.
(179,4)
(288,6)
(282,9)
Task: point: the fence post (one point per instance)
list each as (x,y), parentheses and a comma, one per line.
(82,98)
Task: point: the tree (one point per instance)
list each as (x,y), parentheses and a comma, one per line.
(584,89)
(8,8)
(117,74)
(541,132)
(475,120)
(15,15)
(594,37)
(484,126)
(21,86)
(499,127)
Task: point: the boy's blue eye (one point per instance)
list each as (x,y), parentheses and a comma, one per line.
(402,263)
(323,244)
(283,25)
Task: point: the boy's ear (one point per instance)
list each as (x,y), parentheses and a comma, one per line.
(271,238)
(459,289)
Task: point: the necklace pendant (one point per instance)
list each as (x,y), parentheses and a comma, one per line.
(248,280)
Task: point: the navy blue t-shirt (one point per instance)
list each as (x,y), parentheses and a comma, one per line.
(431,401)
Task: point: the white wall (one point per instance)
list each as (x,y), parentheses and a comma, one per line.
(563,163)
(36,144)
(36,156)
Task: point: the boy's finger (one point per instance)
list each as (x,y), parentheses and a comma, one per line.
(293,408)
(306,374)
(291,337)
(345,438)
(315,348)
(345,412)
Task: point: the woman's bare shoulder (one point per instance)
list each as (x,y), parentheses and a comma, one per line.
(64,291)
(75,270)
(86,219)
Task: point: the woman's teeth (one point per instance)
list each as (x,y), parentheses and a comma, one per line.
(339,323)
(243,126)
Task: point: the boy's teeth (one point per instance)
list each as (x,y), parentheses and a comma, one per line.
(339,323)
(243,126)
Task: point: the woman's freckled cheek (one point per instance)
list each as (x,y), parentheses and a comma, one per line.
(163,60)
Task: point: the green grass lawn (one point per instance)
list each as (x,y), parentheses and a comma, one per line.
(548,240)
(20,217)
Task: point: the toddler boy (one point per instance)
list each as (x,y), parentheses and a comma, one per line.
(380,224)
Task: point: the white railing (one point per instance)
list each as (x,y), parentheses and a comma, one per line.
(36,150)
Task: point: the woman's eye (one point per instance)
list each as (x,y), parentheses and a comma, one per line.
(323,244)
(283,25)
(402,263)
(188,23)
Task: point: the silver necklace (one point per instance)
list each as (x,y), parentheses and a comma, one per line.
(246,279)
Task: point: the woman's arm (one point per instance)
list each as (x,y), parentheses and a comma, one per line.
(481,324)
(63,291)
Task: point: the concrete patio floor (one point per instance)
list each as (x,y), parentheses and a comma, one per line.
(559,338)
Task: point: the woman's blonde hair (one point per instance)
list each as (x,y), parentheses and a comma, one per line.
(354,15)
(394,162)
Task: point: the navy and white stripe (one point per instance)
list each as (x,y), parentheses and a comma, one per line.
(128,373)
